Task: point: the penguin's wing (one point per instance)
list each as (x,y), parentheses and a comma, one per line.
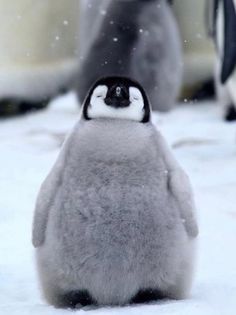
(229,45)
(45,201)
(48,192)
(179,187)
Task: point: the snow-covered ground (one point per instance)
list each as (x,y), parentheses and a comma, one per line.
(206,148)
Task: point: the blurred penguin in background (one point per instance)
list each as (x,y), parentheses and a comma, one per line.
(134,38)
(38,57)
(91,15)
(222,28)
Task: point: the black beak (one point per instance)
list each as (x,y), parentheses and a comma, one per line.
(118,97)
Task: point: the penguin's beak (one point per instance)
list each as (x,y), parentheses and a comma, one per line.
(118,97)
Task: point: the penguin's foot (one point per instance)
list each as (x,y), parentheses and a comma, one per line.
(12,107)
(76,300)
(148,295)
(230,114)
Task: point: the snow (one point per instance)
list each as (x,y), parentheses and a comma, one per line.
(203,144)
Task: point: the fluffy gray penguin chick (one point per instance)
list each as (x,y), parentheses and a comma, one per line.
(138,39)
(115,218)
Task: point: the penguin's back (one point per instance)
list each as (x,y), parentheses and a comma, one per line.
(114,224)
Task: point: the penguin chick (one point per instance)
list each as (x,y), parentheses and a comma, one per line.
(221,27)
(115,218)
(138,39)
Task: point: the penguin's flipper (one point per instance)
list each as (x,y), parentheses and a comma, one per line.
(180,188)
(229,54)
(45,201)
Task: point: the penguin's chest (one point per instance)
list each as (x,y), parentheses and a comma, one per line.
(113,189)
(115,208)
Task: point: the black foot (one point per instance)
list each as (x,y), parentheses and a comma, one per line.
(145,296)
(230,113)
(17,107)
(76,299)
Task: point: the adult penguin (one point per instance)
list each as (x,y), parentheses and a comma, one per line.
(222,28)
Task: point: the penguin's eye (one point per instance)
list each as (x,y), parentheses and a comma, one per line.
(100,92)
(135,98)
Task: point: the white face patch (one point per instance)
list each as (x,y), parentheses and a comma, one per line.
(99,109)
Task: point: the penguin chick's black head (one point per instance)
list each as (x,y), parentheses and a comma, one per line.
(117,98)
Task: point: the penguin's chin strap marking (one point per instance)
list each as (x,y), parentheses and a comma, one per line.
(98,108)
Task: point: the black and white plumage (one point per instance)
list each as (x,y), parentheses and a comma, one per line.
(118,98)
(133,38)
(222,28)
(115,218)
